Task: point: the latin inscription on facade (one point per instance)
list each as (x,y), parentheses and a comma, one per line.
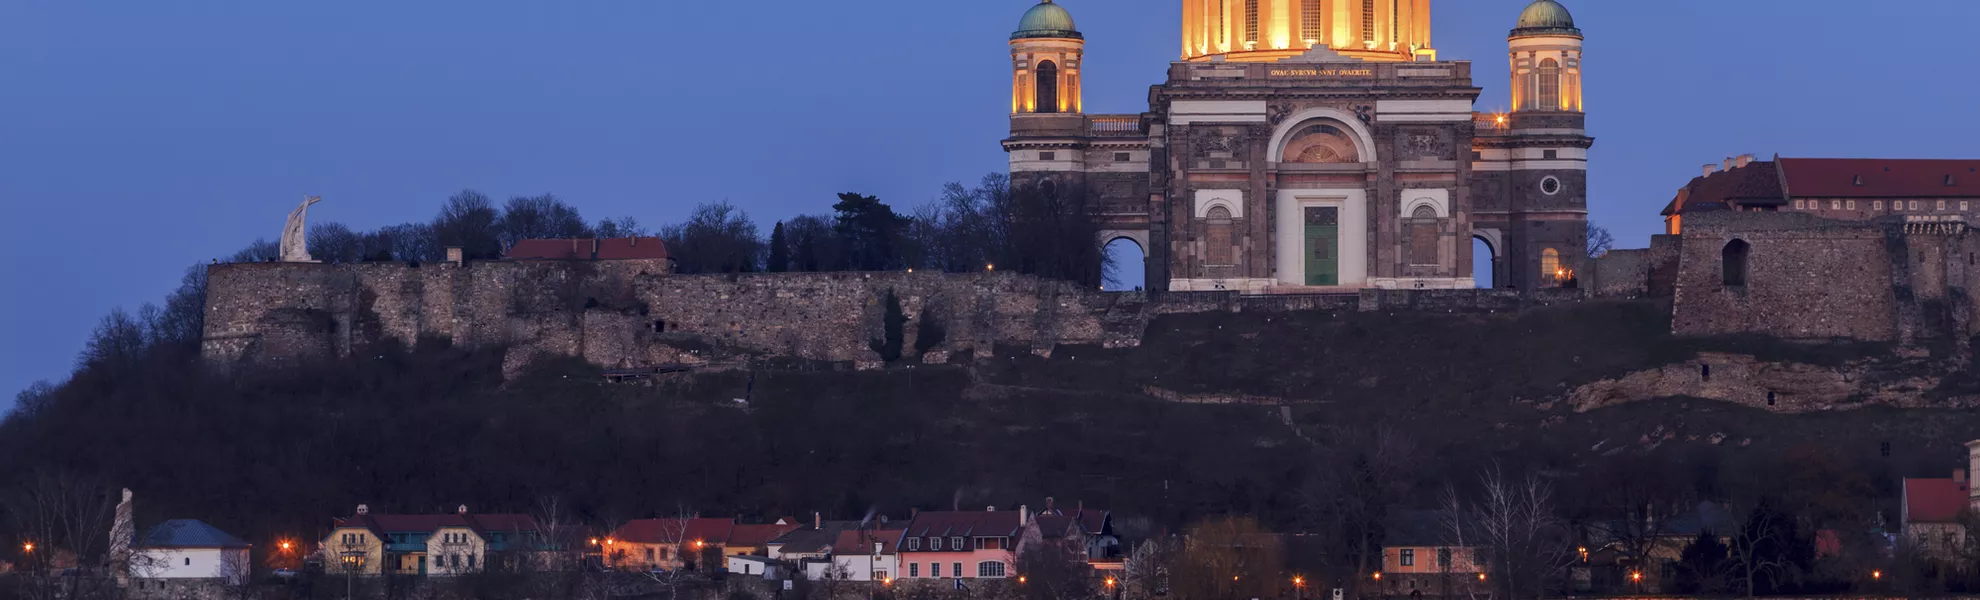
(1321,72)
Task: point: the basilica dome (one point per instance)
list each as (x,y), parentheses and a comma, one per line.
(1545,17)
(1047,20)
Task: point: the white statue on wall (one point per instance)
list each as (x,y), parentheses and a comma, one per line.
(295,235)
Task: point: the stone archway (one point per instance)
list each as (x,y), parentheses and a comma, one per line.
(1489,273)
(1130,257)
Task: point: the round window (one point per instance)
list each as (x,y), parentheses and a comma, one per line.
(1550,186)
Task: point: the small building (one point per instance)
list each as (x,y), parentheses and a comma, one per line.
(1933,508)
(442,545)
(755,566)
(754,540)
(189,549)
(859,554)
(1424,554)
(668,544)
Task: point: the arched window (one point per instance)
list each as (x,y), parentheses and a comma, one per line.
(1551,272)
(1733,262)
(1048,87)
(1550,85)
(1321,143)
(1423,234)
(1217,241)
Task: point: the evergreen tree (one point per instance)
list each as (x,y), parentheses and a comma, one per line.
(780,250)
(872,232)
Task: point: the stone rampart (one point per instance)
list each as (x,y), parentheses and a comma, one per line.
(1811,278)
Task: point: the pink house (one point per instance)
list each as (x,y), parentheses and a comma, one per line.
(961,544)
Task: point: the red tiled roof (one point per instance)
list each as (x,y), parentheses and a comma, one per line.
(1934,500)
(1001,523)
(757,536)
(589,249)
(1882,178)
(859,542)
(669,531)
(1757,181)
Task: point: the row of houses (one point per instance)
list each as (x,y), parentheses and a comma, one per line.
(927,545)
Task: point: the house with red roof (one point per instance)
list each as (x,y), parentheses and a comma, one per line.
(1849,189)
(859,553)
(669,544)
(1934,508)
(1085,531)
(634,248)
(368,544)
(962,544)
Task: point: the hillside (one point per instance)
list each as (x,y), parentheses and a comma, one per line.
(1264,414)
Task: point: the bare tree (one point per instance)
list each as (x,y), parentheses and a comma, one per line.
(717,238)
(622,227)
(260,250)
(1147,570)
(470,222)
(540,217)
(1527,543)
(68,520)
(237,574)
(332,242)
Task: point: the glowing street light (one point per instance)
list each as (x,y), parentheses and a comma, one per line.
(1876,574)
(27,547)
(1378,575)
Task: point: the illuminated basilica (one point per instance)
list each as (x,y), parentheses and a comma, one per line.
(1311,146)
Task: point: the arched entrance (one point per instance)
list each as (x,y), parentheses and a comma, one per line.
(1487,266)
(1127,263)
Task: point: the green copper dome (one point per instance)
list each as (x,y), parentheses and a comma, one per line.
(1545,17)
(1047,20)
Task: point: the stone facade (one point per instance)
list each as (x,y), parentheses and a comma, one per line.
(1320,165)
(1805,277)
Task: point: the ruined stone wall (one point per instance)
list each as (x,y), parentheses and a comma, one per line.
(833,316)
(1809,277)
(1620,274)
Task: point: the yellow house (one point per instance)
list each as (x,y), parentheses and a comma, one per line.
(1422,556)
(439,545)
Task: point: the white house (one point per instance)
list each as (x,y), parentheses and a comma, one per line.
(190,549)
(858,555)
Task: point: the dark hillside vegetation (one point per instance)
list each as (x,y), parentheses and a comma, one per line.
(1307,422)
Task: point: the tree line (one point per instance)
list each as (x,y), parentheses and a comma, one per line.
(1027,227)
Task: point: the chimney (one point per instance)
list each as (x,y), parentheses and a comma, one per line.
(990,509)
(817,520)
(363,509)
(1049,504)
(454,255)
(1729,164)
(1745,159)
(1709,170)
(462,510)
(1024,515)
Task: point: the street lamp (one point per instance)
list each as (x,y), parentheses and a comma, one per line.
(1299,587)
(27,547)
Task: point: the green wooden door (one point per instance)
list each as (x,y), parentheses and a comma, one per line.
(1323,241)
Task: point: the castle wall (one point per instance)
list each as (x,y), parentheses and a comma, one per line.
(1815,278)
(1619,274)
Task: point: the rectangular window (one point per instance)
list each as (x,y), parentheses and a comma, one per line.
(1962,205)
(1878,205)
(1423,237)
(1123,157)
(990,569)
(1368,22)
(957,569)
(1942,205)
(1913,205)
(1251,21)
(1408,557)
(1309,21)
(1851,205)
(1798,205)
(914,569)
(1048,156)
(935,570)
(935,544)
(1551,154)
(957,544)
(914,544)
(1835,205)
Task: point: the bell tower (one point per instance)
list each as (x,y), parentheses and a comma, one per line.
(1546,60)
(1046,51)
(1532,164)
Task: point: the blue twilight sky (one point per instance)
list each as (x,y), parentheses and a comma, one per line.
(138,137)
